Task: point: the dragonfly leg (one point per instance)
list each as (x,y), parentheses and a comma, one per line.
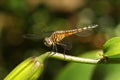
(65,46)
(54,47)
(64,53)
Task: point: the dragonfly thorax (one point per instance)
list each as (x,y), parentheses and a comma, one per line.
(48,41)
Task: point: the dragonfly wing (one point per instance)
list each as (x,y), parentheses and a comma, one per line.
(33,36)
(66,44)
(85,33)
(87,30)
(39,35)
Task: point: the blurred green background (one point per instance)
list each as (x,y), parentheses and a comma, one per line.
(39,17)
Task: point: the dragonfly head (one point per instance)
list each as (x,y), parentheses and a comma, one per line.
(48,42)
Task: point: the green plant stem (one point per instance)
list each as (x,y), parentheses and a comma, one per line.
(72,58)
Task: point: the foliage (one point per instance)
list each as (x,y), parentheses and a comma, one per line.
(41,17)
(29,69)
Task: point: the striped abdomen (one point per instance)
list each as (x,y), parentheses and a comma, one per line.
(59,35)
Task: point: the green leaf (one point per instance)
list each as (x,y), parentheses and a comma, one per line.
(30,69)
(78,71)
(112,48)
(106,72)
(114,73)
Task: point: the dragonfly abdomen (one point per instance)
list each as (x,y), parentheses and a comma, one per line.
(59,35)
(87,28)
(74,31)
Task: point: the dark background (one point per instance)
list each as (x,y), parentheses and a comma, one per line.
(40,17)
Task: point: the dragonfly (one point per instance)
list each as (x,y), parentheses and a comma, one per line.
(58,36)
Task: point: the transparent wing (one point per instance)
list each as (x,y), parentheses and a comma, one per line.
(66,43)
(31,36)
(86,32)
(39,35)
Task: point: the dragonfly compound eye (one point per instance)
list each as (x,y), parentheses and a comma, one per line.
(48,42)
